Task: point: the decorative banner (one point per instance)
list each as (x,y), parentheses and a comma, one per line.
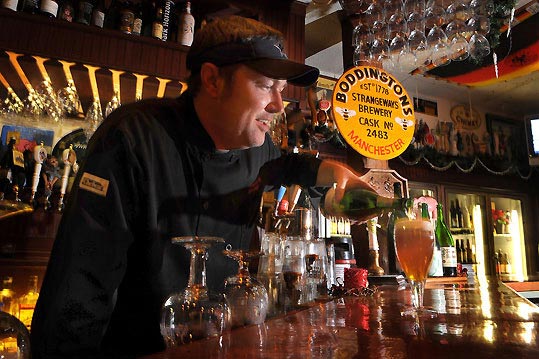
(464,118)
(373,112)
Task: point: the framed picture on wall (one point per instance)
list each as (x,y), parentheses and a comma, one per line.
(27,137)
(508,137)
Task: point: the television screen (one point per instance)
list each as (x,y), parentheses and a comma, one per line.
(532,133)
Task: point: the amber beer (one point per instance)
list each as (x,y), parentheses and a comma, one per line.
(414,244)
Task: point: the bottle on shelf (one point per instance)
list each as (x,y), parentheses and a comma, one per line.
(137,22)
(447,244)
(27,302)
(157,21)
(9,4)
(49,8)
(393,263)
(507,264)
(458,248)
(126,18)
(98,14)
(66,11)
(502,265)
(29,6)
(186,28)
(469,252)
(84,11)
(453,215)
(7,295)
(466,219)
(112,15)
(458,212)
(360,205)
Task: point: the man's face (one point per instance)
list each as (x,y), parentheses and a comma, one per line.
(248,103)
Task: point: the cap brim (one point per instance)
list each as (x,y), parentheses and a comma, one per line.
(294,72)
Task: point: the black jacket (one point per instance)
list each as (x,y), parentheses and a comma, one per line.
(151,173)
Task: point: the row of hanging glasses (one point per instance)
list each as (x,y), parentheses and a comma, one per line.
(44,104)
(403,35)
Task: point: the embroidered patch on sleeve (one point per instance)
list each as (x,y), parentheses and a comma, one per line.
(94,184)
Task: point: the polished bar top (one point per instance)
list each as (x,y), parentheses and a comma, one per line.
(482,318)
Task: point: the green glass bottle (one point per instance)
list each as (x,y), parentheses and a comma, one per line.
(447,244)
(359,205)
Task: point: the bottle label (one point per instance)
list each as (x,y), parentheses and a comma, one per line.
(10,4)
(449,257)
(166,19)
(49,7)
(98,18)
(186,30)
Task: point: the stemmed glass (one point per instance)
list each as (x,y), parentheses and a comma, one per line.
(414,245)
(247,298)
(194,313)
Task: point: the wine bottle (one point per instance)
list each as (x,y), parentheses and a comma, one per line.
(49,8)
(466,220)
(98,14)
(458,248)
(9,4)
(469,252)
(359,204)
(393,263)
(186,28)
(446,243)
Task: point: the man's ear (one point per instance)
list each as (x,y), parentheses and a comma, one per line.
(209,77)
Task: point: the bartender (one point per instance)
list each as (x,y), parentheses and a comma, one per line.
(160,168)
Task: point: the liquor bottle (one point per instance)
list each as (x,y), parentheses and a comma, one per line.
(27,302)
(393,263)
(84,11)
(9,4)
(7,295)
(503,269)
(458,212)
(29,6)
(157,21)
(186,28)
(126,18)
(508,268)
(446,243)
(359,204)
(98,14)
(137,22)
(49,8)
(453,215)
(66,11)
(112,15)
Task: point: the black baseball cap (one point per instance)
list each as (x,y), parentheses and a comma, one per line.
(264,55)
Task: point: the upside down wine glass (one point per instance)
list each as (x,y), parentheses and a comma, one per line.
(414,245)
(194,313)
(247,298)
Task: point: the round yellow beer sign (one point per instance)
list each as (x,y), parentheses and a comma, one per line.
(373,112)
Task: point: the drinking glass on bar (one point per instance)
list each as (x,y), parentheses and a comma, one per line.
(414,245)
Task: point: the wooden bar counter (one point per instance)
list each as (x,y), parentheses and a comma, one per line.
(482,318)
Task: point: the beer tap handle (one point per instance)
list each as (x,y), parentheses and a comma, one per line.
(40,154)
(70,160)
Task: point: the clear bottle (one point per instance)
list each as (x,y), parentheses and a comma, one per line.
(49,8)
(458,248)
(9,4)
(447,244)
(27,302)
(157,21)
(186,26)
(453,215)
(466,219)
(458,211)
(469,252)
